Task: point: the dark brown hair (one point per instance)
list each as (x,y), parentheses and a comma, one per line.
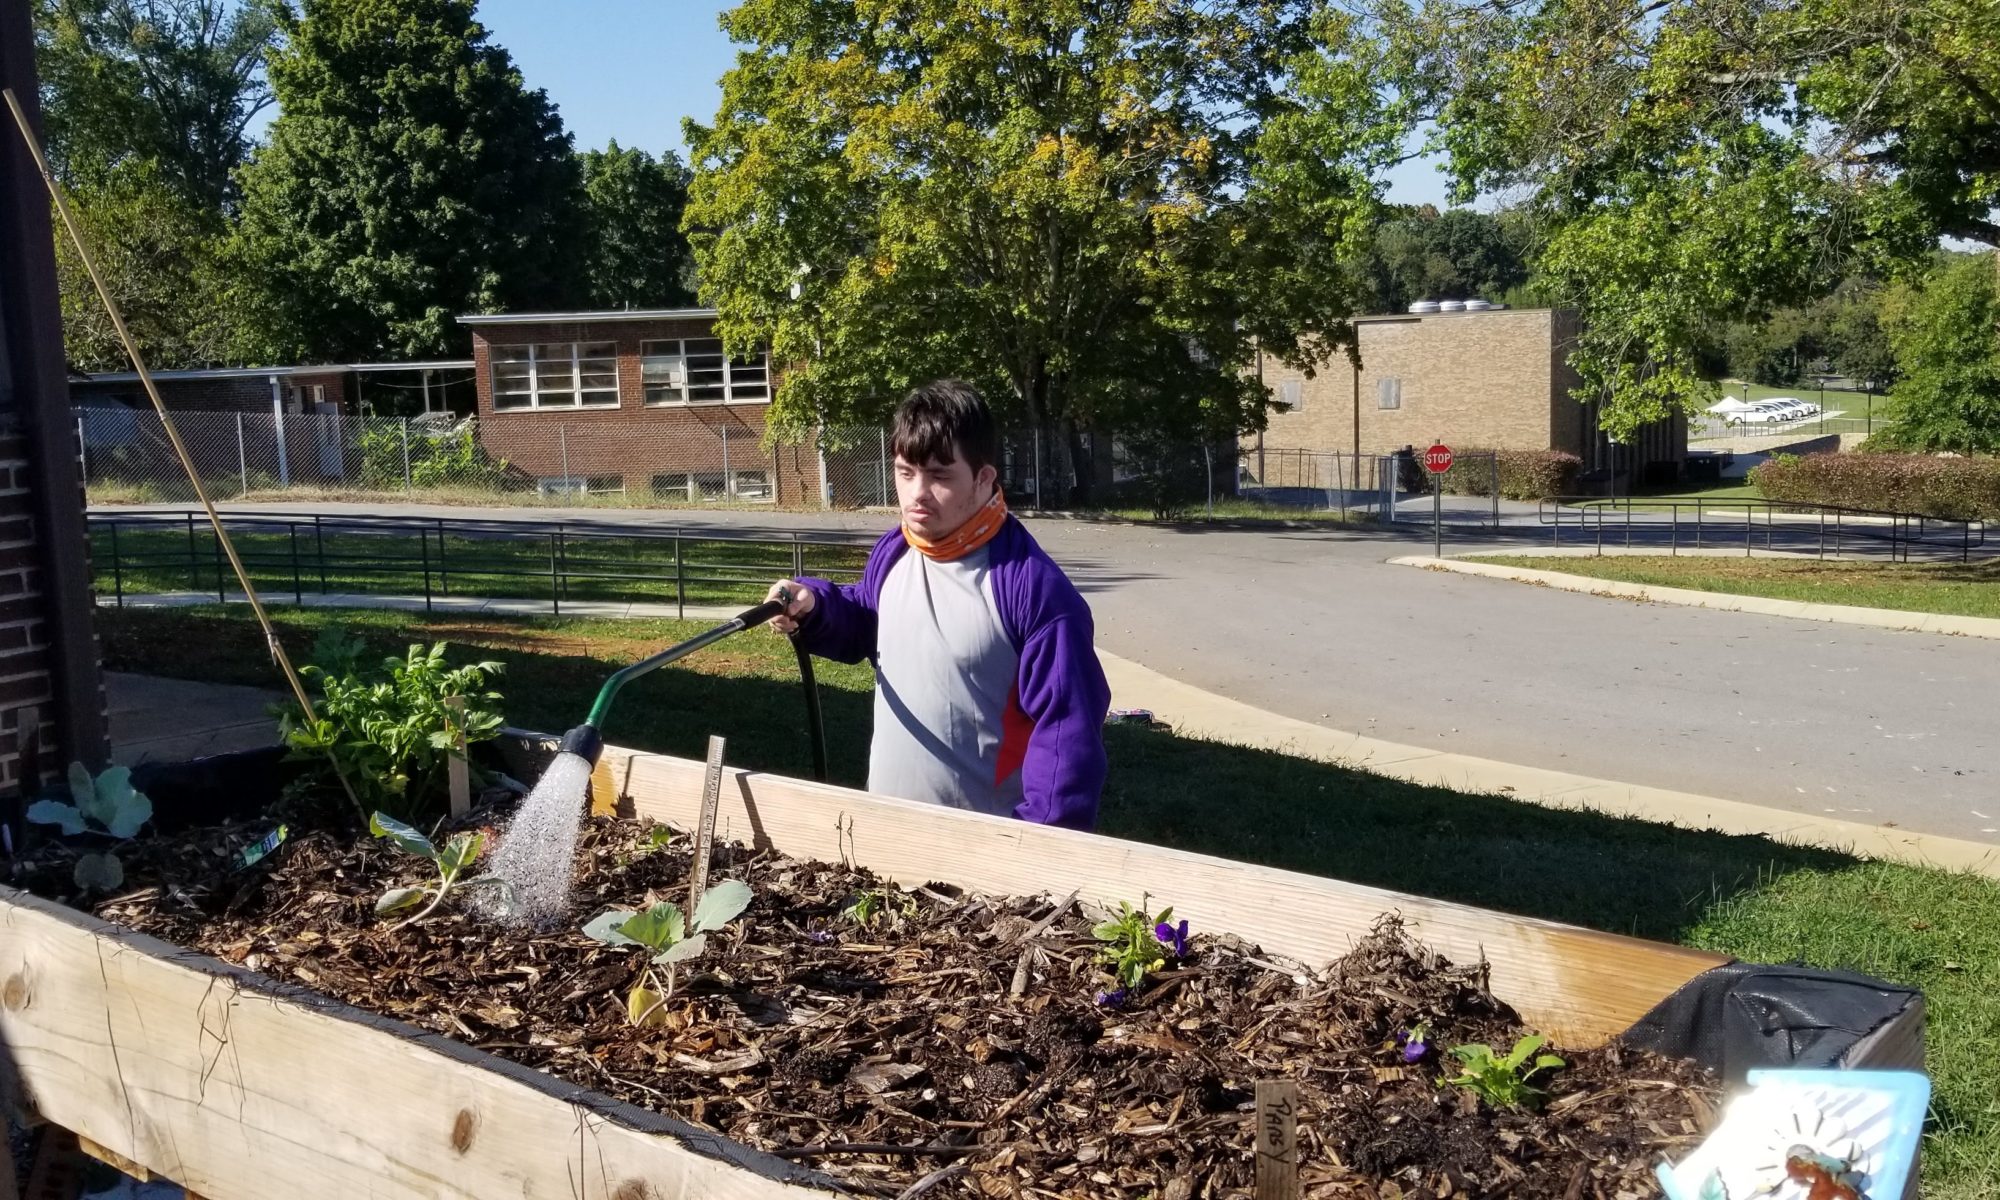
(942,421)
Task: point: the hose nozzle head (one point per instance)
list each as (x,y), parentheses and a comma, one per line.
(585,742)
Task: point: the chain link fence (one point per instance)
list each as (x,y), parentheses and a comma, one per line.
(718,460)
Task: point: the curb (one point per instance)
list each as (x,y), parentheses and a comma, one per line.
(1837,614)
(1198,713)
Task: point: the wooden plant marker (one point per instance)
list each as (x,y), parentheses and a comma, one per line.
(1277,1139)
(458,771)
(704,832)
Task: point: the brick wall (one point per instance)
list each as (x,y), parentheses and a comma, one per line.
(1472,379)
(632,441)
(26,666)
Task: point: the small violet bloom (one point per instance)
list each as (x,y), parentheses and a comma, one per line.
(1175,936)
(1413,1044)
(1113,999)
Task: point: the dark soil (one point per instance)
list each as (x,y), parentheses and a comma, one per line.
(883,1055)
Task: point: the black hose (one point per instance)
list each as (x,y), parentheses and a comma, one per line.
(815,724)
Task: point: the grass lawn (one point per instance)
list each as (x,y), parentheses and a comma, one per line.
(1745,896)
(1956,589)
(707,571)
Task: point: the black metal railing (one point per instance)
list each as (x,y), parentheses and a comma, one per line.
(446,556)
(1727,522)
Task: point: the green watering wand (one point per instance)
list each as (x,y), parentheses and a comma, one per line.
(586,741)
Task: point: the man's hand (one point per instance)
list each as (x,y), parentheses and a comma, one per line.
(802,601)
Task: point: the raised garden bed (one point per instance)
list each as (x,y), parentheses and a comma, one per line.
(813,1035)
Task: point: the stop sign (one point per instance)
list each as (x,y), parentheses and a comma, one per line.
(1437,459)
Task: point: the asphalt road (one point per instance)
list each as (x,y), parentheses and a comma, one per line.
(1863,724)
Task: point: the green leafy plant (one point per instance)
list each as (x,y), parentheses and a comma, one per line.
(105,806)
(458,854)
(1131,946)
(1503,1082)
(666,932)
(390,730)
(886,905)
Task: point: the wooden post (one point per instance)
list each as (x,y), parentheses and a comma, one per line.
(1277,1139)
(458,770)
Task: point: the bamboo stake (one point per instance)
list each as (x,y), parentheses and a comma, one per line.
(173,433)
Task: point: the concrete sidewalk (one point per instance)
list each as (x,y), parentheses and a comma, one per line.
(1193,712)
(1839,614)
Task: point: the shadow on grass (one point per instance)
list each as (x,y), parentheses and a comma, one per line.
(1605,872)
(1260,806)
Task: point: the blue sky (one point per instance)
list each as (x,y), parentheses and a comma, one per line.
(631,69)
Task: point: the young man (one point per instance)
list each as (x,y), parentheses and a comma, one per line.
(988,693)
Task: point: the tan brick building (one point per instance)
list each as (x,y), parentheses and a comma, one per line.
(1494,379)
(638,402)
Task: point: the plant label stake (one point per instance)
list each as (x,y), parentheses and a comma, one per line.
(1277,1139)
(704,833)
(456,769)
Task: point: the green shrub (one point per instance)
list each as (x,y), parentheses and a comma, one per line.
(1524,474)
(389,729)
(1951,488)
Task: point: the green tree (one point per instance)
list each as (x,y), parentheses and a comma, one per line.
(1946,348)
(410,177)
(1703,161)
(1850,325)
(159,254)
(1419,253)
(636,255)
(174,82)
(1093,210)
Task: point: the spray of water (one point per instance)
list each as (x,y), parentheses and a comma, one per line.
(537,853)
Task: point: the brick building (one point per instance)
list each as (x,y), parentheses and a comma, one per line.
(52,707)
(634,402)
(1494,378)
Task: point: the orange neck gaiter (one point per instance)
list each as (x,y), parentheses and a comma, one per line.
(981,528)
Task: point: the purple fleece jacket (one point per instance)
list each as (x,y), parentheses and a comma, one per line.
(1059,685)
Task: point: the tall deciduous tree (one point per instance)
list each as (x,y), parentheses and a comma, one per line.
(176,82)
(1093,209)
(410,177)
(1949,395)
(159,254)
(1700,161)
(635,255)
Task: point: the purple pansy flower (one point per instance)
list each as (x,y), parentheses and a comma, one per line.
(1173,936)
(1414,1044)
(1113,999)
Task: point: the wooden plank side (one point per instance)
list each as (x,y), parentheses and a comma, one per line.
(241,1089)
(1576,985)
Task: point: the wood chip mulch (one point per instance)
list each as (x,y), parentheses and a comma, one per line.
(960,1049)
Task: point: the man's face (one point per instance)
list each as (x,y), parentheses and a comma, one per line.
(937,498)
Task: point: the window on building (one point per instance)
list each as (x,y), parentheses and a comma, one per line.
(1388,393)
(579,485)
(555,375)
(1292,394)
(714,486)
(696,371)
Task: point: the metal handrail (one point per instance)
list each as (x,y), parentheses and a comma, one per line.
(305,554)
(1902,530)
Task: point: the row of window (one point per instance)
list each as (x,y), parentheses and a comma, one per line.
(585,374)
(673,485)
(1388,394)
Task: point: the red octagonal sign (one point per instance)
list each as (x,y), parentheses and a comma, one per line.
(1437,459)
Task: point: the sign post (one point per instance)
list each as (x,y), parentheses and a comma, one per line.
(1437,460)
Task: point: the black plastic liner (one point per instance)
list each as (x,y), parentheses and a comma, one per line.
(1741,1016)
